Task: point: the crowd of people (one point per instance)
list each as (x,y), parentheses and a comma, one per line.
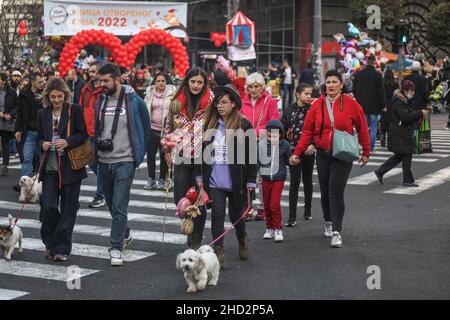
(124,120)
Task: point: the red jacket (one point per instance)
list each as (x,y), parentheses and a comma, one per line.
(87,98)
(316,130)
(254,114)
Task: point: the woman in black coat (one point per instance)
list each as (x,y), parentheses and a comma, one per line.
(60,183)
(228,170)
(401,133)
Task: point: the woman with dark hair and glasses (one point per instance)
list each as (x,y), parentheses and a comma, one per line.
(184,125)
(158,98)
(333,173)
(60,183)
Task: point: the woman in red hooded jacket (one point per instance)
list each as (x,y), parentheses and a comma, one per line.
(184,127)
(333,173)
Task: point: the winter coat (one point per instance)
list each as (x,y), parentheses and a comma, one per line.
(77,137)
(169,94)
(89,94)
(368,88)
(279,154)
(265,108)
(243,175)
(421,89)
(401,129)
(27,110)
(138,123)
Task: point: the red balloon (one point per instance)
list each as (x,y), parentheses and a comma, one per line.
(22,25)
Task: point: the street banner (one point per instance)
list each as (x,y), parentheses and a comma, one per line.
(67,17)
(240,54)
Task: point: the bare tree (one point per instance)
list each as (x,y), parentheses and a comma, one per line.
(12,12)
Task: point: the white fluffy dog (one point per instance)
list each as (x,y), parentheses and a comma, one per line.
(9,237)
(27,192)
(200,267)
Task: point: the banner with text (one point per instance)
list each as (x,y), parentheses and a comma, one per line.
(66,18)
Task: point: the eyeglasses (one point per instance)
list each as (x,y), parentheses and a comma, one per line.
(223,102)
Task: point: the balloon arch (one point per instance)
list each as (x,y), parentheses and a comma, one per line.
(124,55)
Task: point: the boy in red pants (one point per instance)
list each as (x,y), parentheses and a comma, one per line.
(273,157)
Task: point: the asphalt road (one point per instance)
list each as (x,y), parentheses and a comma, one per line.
(403,236)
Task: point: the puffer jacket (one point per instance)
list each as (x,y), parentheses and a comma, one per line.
(168,96)
(401,129)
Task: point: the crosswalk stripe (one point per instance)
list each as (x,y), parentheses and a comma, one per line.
(429,181)
(426,155)
(90,251)
(151,236)
(41,271)
(415,159)
(370,177)
(100,214)
(6,294)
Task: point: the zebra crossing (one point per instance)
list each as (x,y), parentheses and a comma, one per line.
(146,214)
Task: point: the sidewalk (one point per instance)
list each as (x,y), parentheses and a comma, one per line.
(439,120)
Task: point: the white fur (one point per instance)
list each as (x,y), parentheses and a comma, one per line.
(28,192)
(8,245)
(200,267)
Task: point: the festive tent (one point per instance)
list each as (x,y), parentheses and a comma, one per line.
(240,31)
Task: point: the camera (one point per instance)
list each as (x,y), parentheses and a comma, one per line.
(105,145)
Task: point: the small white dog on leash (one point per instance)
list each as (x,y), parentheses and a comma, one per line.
(200,267)
(29,192)
(9,236)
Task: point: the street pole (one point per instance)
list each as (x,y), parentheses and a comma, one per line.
(317,52)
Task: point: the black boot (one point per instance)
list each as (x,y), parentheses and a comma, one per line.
(244,252)
(194,241)
(220,253)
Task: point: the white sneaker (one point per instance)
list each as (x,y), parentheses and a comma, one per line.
(336,240)
(116,258)
(278,235)
(328,231)
(269,234)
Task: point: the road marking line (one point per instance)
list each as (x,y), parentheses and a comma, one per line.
(41,271)
(429,181)
(6,294)
(414,159)
(90,251)
(370,177)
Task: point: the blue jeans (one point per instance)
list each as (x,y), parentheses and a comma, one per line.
(94,167)
(116,180)
(372,122)
(30,148)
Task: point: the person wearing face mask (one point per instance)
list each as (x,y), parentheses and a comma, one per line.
(227,171)
(401,133)
(184,126)
(158,98)
(60,183)
(333,173)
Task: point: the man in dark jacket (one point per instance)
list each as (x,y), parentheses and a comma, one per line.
(30,102)
(420,82)
(75,85)
(307,75)
(368,88)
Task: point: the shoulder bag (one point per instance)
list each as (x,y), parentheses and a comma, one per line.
(81,155)
(345,145)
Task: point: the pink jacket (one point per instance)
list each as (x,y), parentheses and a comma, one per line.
(253,114)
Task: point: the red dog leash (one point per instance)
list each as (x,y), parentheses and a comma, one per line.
(244,214)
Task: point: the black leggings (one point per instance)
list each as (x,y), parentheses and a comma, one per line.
(218,214)
(183,179)
(153,147)
(333,175)
(303,170)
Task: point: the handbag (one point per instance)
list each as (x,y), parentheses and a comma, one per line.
(345,145)
(7,126)
(81,155)
(423,138)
